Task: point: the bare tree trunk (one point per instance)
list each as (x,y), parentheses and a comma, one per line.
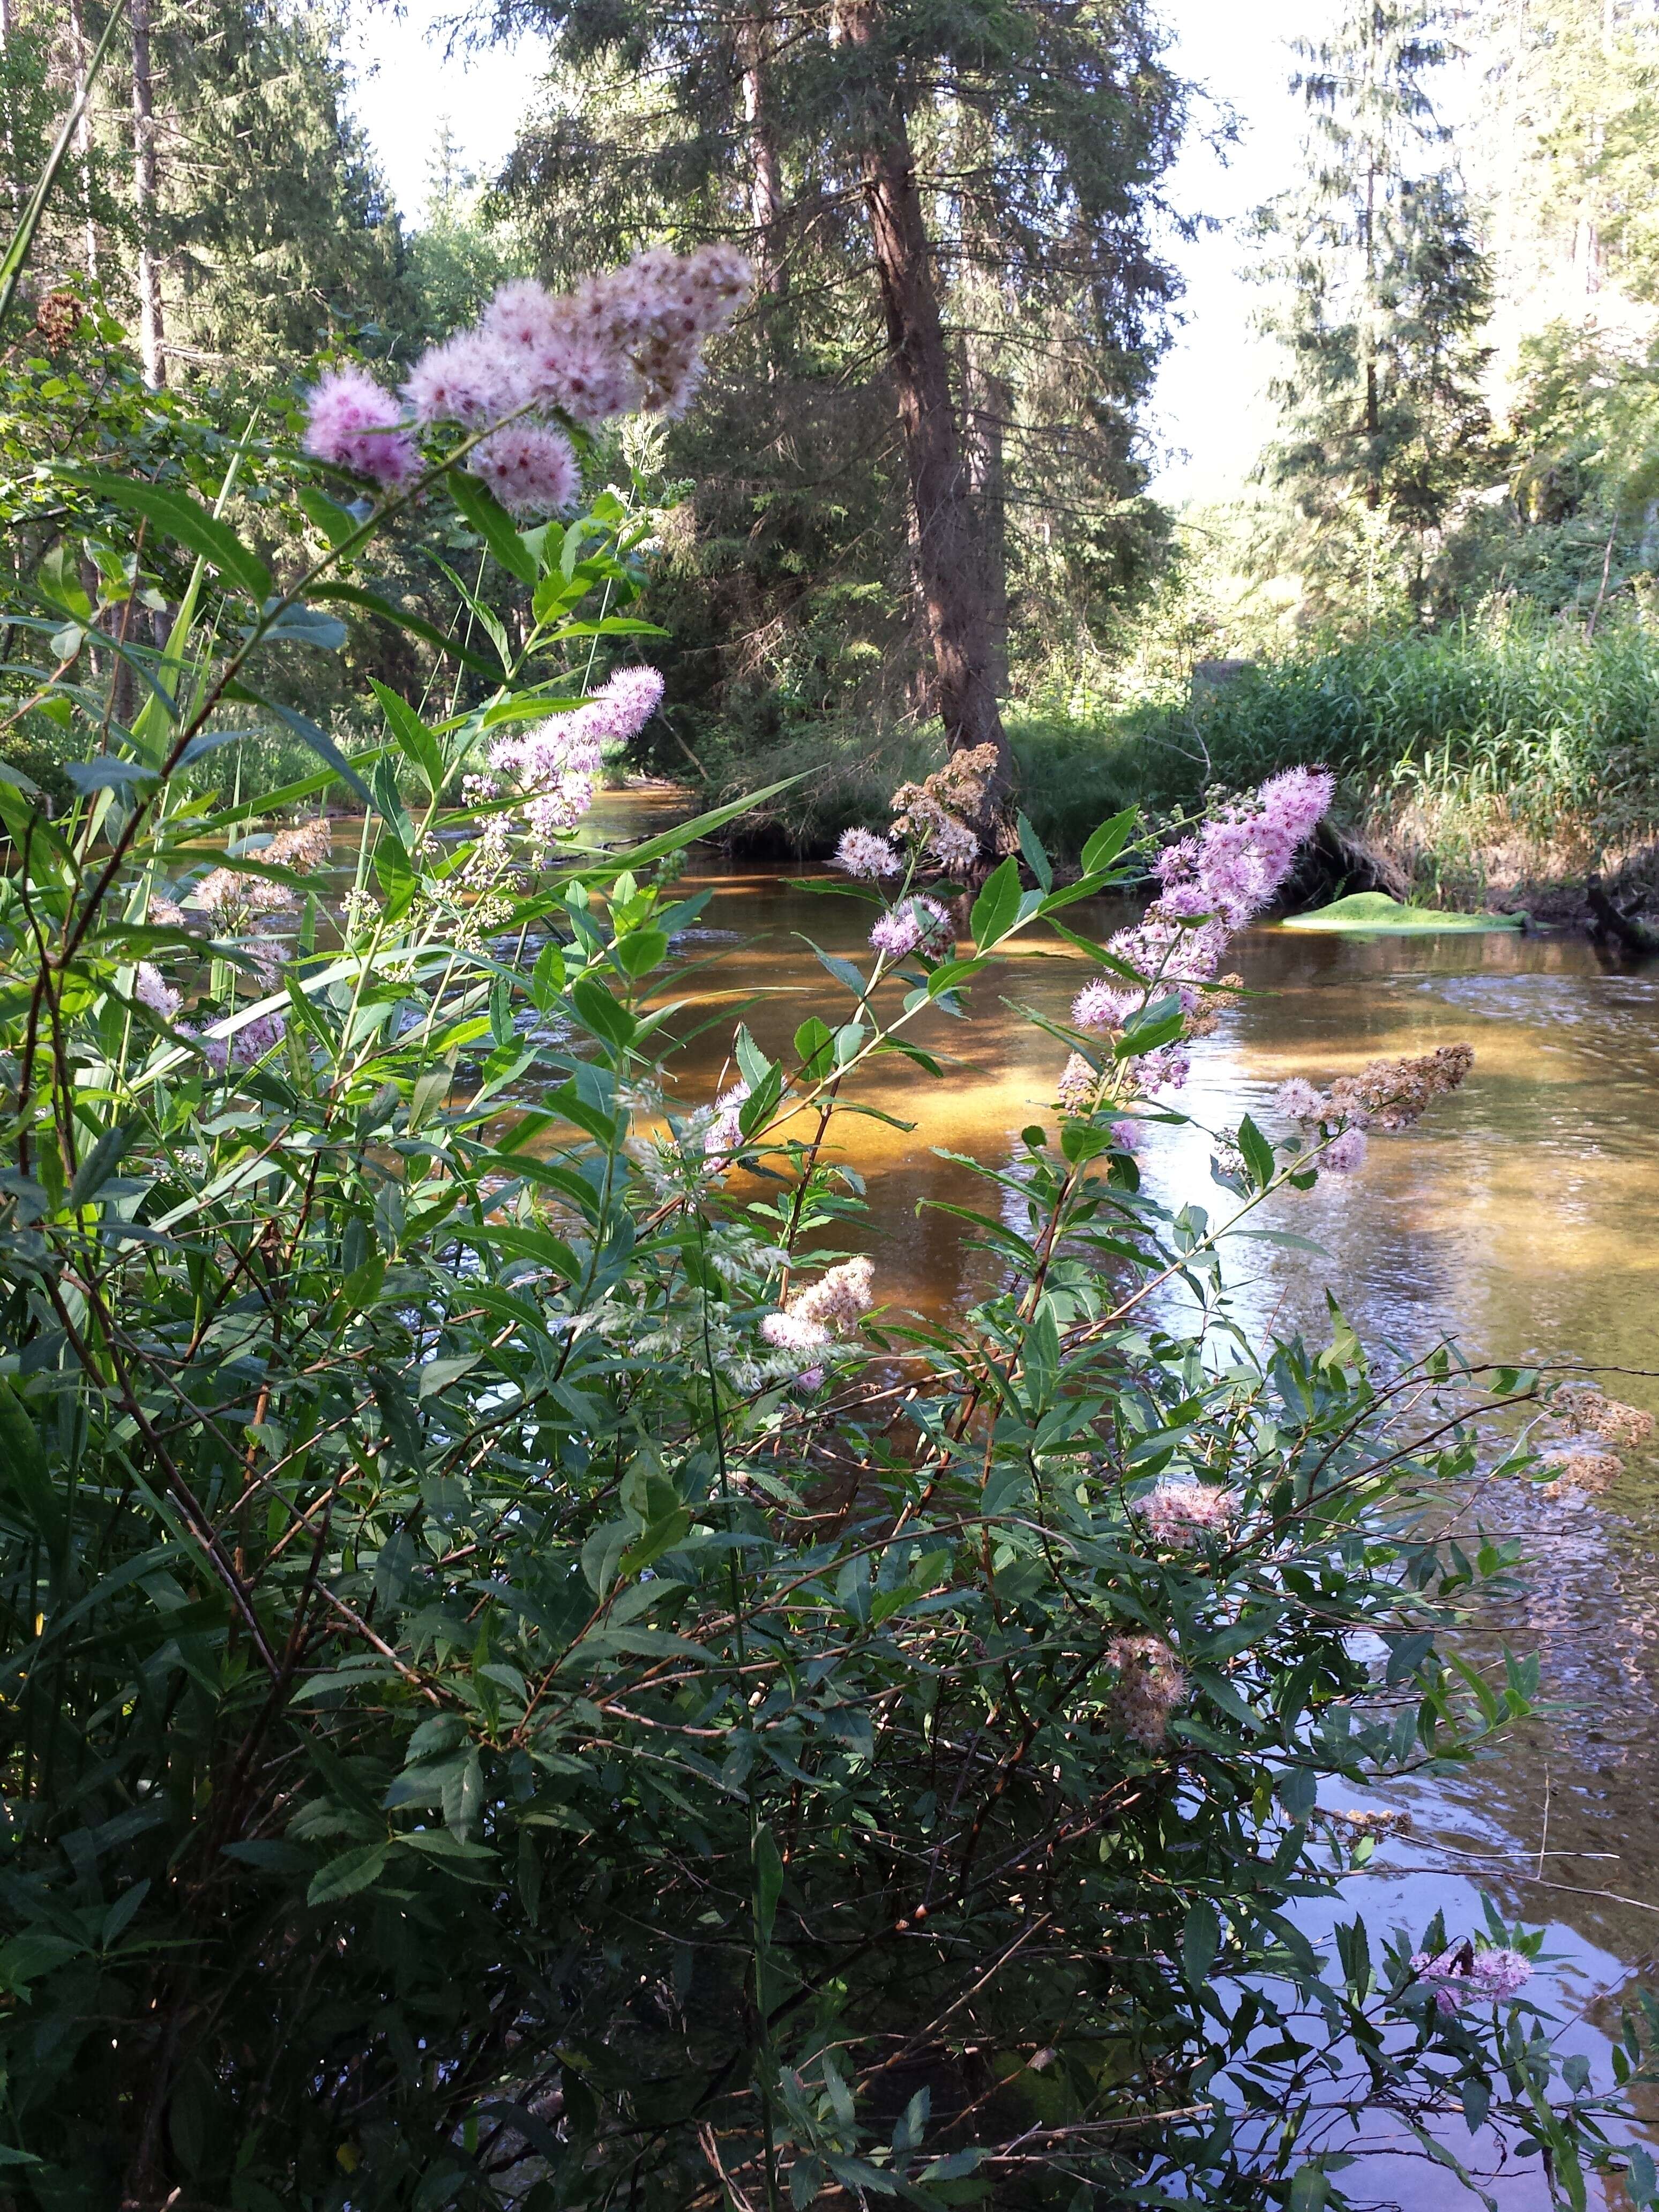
(766,174)
(150,333)
(14,190)
(83,133)
(989,401)
(950,553)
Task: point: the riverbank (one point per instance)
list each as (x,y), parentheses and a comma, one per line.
(1501,764)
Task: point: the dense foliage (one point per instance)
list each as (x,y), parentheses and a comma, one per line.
(520,1689)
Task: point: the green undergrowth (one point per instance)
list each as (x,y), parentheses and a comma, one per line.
(1510,748)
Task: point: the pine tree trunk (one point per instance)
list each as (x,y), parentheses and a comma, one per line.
(766,174)
(989,399)
(950,564)
(150,333)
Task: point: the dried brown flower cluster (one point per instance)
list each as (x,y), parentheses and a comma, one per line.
(58,319)
(1585,1470)
(1627,1426)
(1391,1094)
(931,813)
(1150,1686)
(1376,1821)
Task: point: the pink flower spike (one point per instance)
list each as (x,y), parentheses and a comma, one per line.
(150,990)
(919,925)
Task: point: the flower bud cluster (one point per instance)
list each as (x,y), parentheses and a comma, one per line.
(917,924)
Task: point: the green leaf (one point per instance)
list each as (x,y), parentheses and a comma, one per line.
(768,1881)
(844,970)
(60,582)
(437,1375)
(1109,840)
(299,624)
(335,522)
(373,603)
(24,1474)
(494,525)
(345,1875)
(411,736)
(997,905)
(107,772)
(547,977)
(1200,1942)
(1309,2187)
(601,1014)
(640,951)
(950,973)
(97,1168)
(1258,1152)
(1036,858)
(752,1063)
(1160,1023)
(178,516)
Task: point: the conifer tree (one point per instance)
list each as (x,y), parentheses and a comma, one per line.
(1381,292)
(956,205)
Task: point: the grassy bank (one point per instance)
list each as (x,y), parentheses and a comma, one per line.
(1513,752)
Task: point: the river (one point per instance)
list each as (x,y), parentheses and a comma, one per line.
(1522,1216)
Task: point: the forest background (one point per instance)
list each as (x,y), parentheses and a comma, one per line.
(916,507)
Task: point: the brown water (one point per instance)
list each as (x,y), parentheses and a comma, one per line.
(1522,1216)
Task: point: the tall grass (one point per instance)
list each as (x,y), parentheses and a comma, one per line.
(1509,748)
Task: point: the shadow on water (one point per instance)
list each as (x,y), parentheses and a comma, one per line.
(1522,1216)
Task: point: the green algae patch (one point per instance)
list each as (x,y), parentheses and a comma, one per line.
(1377,914)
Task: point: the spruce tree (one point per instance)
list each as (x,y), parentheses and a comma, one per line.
(1382,292)
(951,208)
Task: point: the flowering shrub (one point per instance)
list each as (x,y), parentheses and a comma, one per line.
(523,1683)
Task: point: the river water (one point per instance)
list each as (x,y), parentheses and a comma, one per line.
(1521,1216)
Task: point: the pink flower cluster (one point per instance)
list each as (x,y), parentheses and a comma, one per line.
(628,341)
(554,764)
(1213,883)
(826,1309)
(724,1132)
(356,423)
(861,853)
(251,1042)
(1463,1975)
(1178,1515)
(916,924)
(152,990)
